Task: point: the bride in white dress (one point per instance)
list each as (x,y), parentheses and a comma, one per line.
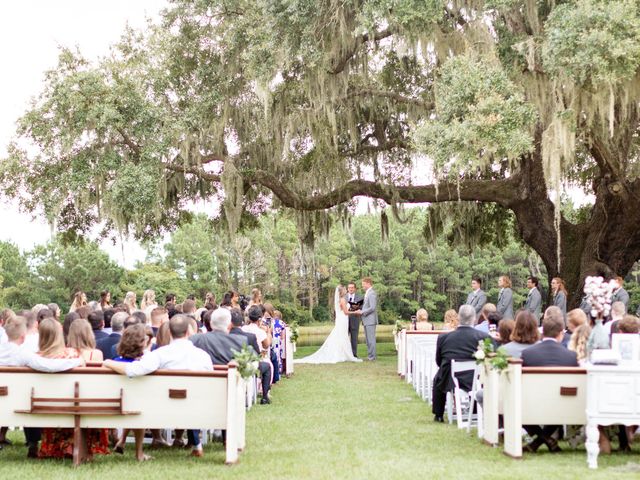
(336,348)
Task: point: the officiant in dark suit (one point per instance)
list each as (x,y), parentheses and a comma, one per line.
(354,300)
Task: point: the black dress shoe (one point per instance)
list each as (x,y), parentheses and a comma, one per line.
(552,445)
(533,446)
(32,451)
(265,401)
(438,418)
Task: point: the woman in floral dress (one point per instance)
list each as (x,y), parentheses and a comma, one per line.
(58,442)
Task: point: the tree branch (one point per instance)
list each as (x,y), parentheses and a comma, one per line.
(393,96)
(341,63)
(499,191)
(194,170)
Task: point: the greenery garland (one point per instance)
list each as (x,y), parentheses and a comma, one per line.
(488,355)
(247,360)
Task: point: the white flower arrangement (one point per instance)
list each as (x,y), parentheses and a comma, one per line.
(599,294)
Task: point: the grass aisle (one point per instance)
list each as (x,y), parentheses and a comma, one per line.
(351,421)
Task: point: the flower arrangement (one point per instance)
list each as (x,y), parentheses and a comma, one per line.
(488,355)
(598,295)
(398,327)
(247,360)
(294,332)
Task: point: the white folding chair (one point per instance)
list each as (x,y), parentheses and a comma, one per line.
(473,401)
(459,400)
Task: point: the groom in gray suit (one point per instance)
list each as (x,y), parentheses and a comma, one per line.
(369,315)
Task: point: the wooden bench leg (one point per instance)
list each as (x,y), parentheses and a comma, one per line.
(80,447)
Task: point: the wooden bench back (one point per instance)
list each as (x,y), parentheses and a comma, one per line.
(164,399)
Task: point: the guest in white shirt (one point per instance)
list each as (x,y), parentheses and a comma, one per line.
(262,332)
(31,342)
(14,354)
(618,311)
(5,315)
(180,354)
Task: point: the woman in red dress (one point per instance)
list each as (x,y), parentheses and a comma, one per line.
(58,442)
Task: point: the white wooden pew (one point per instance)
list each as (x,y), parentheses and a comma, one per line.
(289,350)
(405,348)
(96,397)
(539,396)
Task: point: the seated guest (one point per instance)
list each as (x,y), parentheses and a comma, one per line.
(189,307)
(206,320)
(505,329)
(629,324)
(107,345)
(158,315)
(218,343)
(96,319)
(575,318)
(81,338)
(55,309)
(450,320)
(84,312)
(460,344)
(525,333)
(69,318)
(43,313)
(5,315)
(548,353)
(12,354)
(130,349)
(618,311)
(180,354)
(58,442)
(108,313)
(237,320)
(32,339)
(141,316)
(261,332)
(578,342)
(422,320)
(483,317)
(164,336)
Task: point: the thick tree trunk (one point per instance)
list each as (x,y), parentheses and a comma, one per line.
(607,244)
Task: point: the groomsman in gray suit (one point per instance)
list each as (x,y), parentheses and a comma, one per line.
(620,294)
(534,298)
(477,298)
(369,315)
(505,297)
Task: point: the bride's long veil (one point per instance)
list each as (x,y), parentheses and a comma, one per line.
(336,302)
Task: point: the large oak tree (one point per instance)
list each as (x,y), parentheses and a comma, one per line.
(305,104)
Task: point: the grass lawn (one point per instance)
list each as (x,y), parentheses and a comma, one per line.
(351,421)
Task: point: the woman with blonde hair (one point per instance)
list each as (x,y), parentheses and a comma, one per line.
(82,339)
(79,300)
(130,302)
(450,319)
(256,297)
(559,291)
(148,300)
(578,342)
(422,320)
(58,442)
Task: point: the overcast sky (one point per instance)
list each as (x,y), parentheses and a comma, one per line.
(30,33)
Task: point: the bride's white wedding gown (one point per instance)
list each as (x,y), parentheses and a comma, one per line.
(337,347)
